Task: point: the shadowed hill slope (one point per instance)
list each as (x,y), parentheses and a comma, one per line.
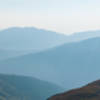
(25,88)
(88,92)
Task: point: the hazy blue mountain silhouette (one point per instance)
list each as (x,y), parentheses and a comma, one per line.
(86,35)
(17,41)
(73,64)
(29,38)
(6,54)
(14,87)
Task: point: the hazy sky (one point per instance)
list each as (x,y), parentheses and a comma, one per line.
(65,16)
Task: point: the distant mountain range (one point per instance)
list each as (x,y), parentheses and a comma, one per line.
(18,41)
(6,53)
(88,92)
(68,61)
(14,87)
(74,64)
(29,38)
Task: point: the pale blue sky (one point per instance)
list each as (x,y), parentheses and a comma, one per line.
(66,16)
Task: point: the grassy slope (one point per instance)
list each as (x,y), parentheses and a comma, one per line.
(25,88)
(88,92)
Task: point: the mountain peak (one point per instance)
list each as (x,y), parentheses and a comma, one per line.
(30,37)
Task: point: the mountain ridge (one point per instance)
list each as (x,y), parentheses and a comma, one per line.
(89,92)
(13,87)
(57,63)
(34,38)
(31,38)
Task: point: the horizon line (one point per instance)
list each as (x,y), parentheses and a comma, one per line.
(23,27)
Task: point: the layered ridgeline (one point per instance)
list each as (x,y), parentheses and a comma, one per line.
(88,92)
(74,64)
(6,53)
(29,38)
(25,88)
(19,41)
(38,39)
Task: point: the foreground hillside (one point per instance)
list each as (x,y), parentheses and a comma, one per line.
(25,88)
(88,92)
